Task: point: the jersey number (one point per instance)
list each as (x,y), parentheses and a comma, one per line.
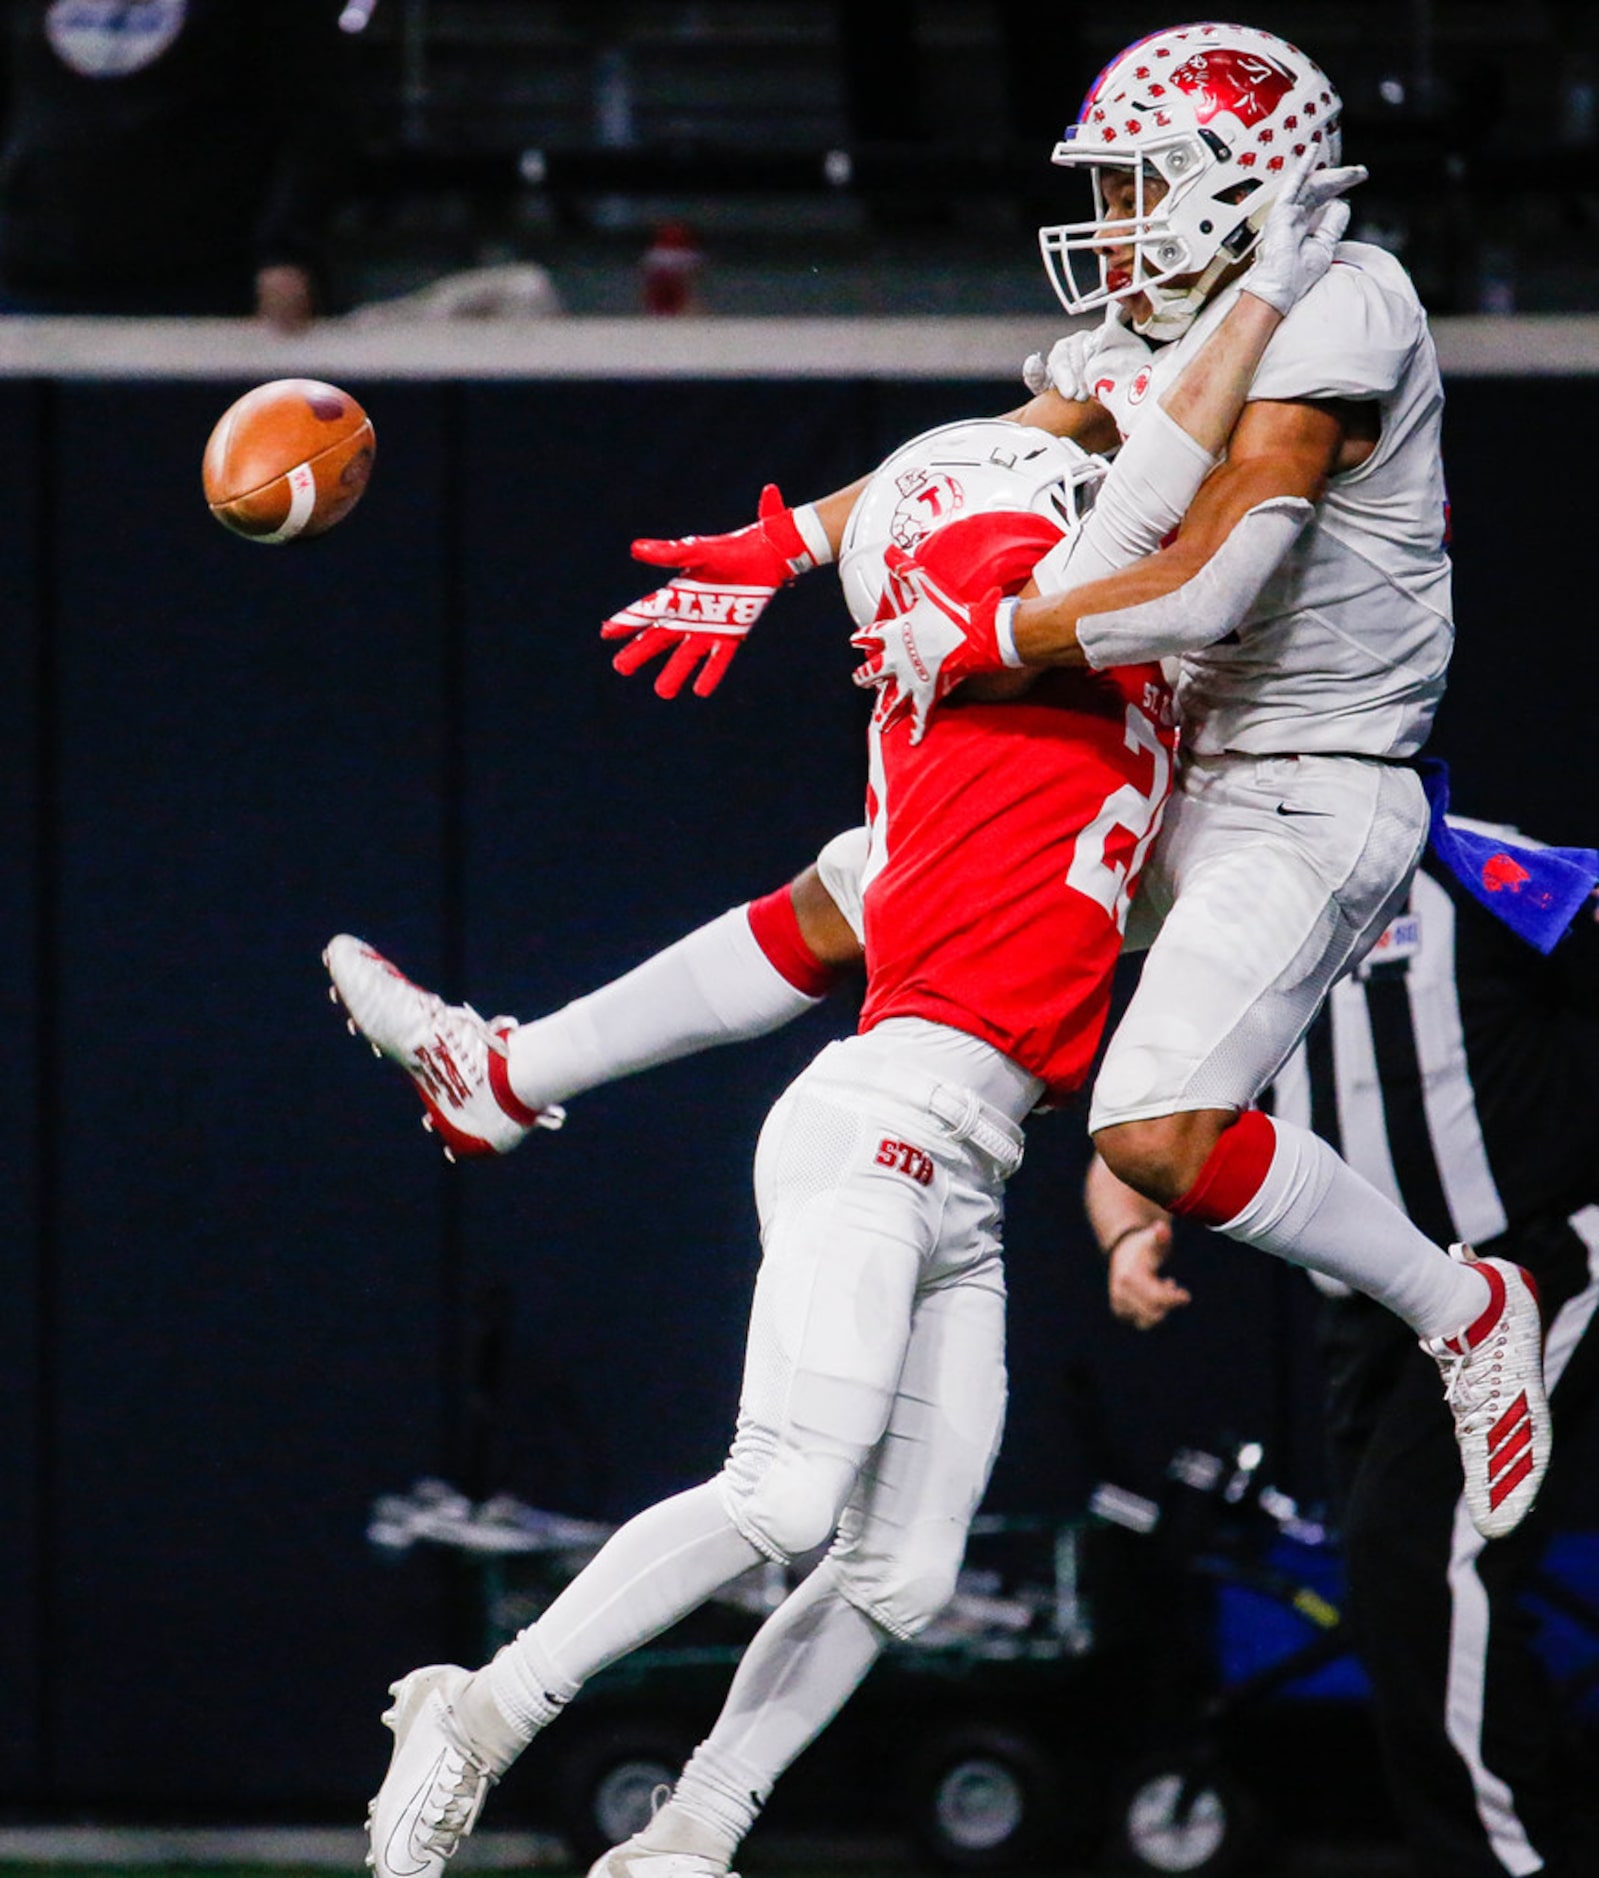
(1130,808)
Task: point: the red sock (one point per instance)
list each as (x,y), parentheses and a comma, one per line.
(1233,1174)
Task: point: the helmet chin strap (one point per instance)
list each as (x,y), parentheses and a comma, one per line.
(1172,310)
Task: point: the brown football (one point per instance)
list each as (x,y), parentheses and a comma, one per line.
(288,460)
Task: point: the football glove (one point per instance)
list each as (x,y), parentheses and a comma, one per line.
(922,651)
(701,617)
(1301,233)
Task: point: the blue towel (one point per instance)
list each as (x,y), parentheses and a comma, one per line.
(1537,892)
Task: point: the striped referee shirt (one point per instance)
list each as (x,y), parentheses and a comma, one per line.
(1455,1068)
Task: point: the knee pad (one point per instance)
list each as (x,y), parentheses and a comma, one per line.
(789,1505)
(903,1589)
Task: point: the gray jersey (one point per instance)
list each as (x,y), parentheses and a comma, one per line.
(1347,646)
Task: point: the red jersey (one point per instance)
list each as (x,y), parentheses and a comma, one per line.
(1005,849)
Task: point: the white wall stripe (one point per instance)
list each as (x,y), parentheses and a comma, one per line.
(719,346)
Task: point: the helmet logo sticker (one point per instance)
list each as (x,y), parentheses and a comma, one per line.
(1246,85)
(927,498)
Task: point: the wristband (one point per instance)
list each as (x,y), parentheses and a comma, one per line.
(812,533)
(1005,632)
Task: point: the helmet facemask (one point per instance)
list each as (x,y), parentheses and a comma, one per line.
(1209,120)
(1191,220)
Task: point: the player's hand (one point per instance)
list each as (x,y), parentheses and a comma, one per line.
(1140,1292)
(700,618)
(1070,369)
(926,646)
(1302,231)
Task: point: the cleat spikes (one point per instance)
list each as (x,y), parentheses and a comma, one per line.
(449,1156)
(351,1026)
(427,1124)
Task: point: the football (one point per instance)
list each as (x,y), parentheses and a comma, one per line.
(288,461)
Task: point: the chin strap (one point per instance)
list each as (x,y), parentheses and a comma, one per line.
(1174,310)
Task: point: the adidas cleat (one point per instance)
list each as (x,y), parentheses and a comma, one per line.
(456,1060)
(1493,1381)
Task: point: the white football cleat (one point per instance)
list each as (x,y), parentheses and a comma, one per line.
(456,1060)
(1493,1380)
(435,1787)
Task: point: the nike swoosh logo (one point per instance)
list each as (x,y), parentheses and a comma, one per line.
(1283,809)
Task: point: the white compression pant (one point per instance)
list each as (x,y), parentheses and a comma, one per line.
(874,1385)
(1270,878)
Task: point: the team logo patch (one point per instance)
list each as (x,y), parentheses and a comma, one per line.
(1138,390)
(915,1163)
(110,38)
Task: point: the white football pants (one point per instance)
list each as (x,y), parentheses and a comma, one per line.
(874,1383)
(1271,877)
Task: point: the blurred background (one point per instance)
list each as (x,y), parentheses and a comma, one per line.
(600,270)
(889,158)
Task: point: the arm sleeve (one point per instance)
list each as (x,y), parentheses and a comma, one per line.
(1210,603)
(1146,495)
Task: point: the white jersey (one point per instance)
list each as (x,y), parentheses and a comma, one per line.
(1347,646)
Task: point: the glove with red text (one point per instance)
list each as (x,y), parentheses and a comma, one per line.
(701,617)
(922,652)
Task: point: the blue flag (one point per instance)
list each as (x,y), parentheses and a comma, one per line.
(1537,892)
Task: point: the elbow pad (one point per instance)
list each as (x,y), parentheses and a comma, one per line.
(1209,605)
(1156,475)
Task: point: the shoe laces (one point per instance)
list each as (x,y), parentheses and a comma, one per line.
(1471,1382)
(464,1034)
(457,1798)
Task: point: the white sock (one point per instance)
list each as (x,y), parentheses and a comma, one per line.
(1314,1210)
(801,1667)
(659,1566)
(715,986)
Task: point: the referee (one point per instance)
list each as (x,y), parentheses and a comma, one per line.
(1450,1070)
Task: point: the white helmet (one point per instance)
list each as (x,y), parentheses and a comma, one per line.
(1218,113)
(979,502)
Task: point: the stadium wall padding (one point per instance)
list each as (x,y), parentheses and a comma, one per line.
(245,1294)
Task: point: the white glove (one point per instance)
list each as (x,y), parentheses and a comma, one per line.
(1069,366)
(1303,228)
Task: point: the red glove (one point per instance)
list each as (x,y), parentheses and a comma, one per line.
(722,591)
(931,640)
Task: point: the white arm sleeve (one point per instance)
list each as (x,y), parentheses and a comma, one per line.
(1209,605)
(1147,493)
